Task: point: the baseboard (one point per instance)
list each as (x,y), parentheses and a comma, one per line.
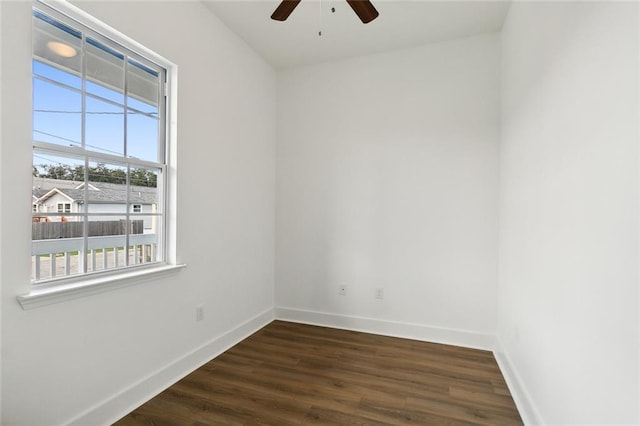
(112,409)
(528,411)
(447,336)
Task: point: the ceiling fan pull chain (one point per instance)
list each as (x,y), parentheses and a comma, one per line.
(321,20)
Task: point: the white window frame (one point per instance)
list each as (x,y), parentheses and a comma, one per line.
(85,284)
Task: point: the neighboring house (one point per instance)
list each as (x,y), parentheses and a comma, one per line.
(66,196)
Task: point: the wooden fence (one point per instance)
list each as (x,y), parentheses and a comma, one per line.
(55,230)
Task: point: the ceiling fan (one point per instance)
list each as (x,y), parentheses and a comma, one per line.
(363,8)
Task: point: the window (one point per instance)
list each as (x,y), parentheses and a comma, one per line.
(99,145)
(64,207)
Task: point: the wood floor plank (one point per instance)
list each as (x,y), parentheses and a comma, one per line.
(462,412)
(481,396)
(295,374)
(326,416)
(390,414)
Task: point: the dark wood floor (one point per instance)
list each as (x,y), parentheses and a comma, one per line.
(292,374)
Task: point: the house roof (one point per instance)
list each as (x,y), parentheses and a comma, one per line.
(99,192)
(52,192)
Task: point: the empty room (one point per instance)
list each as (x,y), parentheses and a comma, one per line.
(319,212)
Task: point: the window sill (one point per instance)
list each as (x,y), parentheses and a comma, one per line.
(47,296)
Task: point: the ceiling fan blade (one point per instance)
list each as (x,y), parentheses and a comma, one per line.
(364,9)
(285,8)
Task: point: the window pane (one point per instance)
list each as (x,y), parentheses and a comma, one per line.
(143,177)
(104,128)
(144,195)
(105,71)
(142,87)
(143,200)
(145,238)
(107,188)
(57,114)
(142,107)
(56,74)
(142,136)
(47,263)
(107,242)
(56,180)
(57,44)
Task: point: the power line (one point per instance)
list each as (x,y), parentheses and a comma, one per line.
(78,143)
(56,111)
(56,136)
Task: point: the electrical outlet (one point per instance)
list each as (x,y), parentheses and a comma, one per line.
(199,313)
(343,290)
(379,293)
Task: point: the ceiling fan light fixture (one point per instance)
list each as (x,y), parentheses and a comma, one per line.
(62,49)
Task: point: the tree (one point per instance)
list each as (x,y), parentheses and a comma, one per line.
(77,173)
(143,177)
(98,173)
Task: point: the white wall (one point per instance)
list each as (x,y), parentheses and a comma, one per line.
(1,145)
(387,177)
(63,359)
(568,298)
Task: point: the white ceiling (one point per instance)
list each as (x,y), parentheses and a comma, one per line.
(295,41)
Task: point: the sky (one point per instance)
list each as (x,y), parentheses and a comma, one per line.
(57,117)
